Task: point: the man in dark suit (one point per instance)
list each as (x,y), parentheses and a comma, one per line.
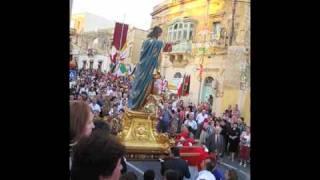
(225,129)
(174,162)
(215,142)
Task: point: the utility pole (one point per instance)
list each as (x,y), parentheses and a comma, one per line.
(232,21)
(122,31)
(204,47)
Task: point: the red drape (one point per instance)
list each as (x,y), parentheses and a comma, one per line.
(120,30)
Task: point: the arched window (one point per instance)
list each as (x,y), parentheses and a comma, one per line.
(207,89)
(177,75)
(208,81)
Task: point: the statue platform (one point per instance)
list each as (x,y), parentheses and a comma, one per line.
(140,136)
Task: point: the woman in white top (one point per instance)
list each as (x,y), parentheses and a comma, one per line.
(245,147)
(191,122)
(91,92)
(84,89)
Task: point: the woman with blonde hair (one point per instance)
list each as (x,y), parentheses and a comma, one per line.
(81,118)
(81,122)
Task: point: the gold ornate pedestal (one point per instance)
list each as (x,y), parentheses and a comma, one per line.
(140,137)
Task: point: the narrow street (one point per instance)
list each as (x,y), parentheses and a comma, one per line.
(139,167)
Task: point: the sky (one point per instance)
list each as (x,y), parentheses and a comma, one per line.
(132,12)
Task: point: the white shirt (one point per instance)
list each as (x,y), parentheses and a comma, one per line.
(111,112)
(83,90)
(72,83)
(101,84)
(109,92)
(92,93)
(206,175)
(95,107)
(247,138)
(120,107)
(191,123)
(174,105)
(200,118)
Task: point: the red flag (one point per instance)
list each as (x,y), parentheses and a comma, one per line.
(113,54)
(180,89)
(189,81)
(120,35)
(167,47)
(186,86)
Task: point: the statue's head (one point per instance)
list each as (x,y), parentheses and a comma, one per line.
(155,33)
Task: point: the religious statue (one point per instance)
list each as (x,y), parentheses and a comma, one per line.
(144,73)
(139,133)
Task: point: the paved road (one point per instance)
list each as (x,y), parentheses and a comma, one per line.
(140,166)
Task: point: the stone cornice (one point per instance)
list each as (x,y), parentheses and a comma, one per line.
(163,7)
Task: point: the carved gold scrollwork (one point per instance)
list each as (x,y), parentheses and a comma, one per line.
(140,136)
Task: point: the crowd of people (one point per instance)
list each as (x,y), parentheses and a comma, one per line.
(106,94)
(97,105)
(225,135)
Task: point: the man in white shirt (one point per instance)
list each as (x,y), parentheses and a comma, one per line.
(174,104)
(122,104)
(72,83)
(201,116)
(114,93)
(191,122)
(125,97)
(83,89)
(94,106)
(109,91)
(92,93)
(114,111)
(206,170)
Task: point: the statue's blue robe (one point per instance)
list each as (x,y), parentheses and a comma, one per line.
(144,72)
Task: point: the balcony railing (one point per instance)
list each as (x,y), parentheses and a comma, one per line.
(182,47)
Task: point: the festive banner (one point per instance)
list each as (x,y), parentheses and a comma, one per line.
(186,86)
(120,35)
(181,86)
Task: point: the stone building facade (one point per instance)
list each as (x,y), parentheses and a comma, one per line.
(135,39)
(91,49)
(216,34)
